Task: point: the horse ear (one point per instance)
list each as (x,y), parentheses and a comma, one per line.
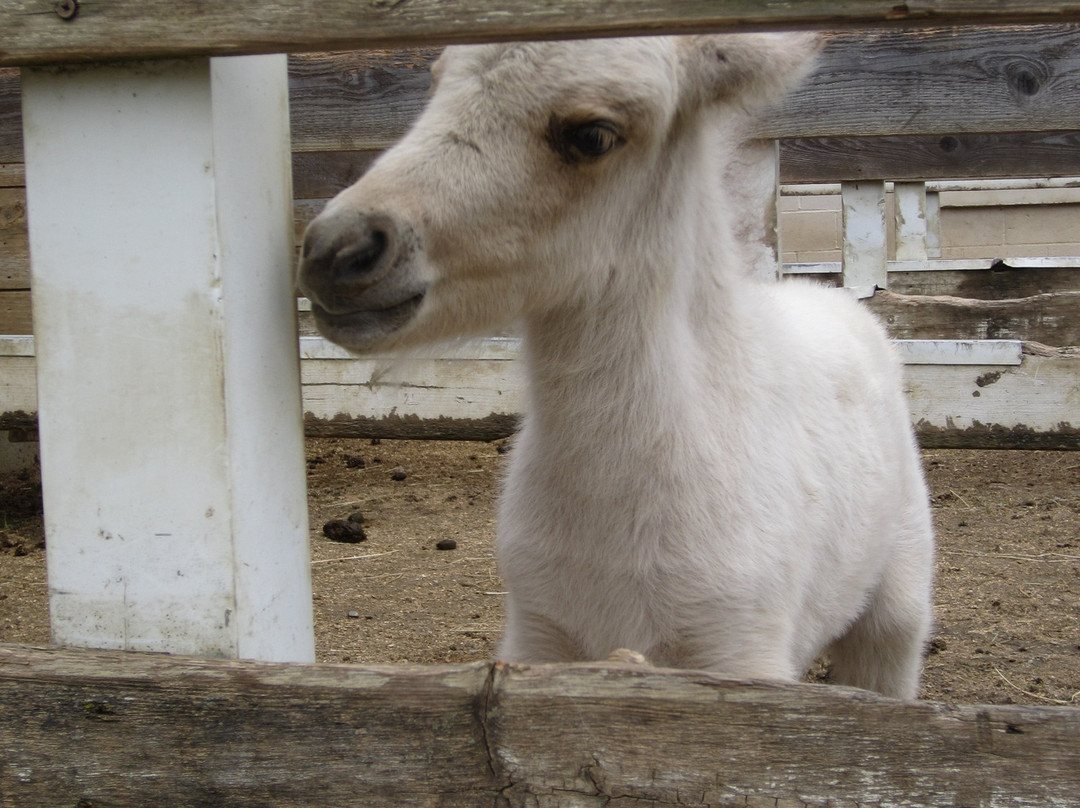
(753,70)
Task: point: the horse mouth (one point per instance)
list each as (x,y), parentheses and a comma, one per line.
(362,329)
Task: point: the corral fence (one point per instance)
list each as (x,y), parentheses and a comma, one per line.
(168,403)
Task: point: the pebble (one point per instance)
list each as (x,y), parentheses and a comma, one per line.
(354,615)
(398,475)
(446,544)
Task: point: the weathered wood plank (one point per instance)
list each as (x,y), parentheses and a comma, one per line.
(1046,318)
(1000,281)
(360,100)
(10,116)
(320,175)
(32,32)
(115,729)
(1026,406)
(890,82)
(477,394)
(868,84)
(12,175)
(153,729)
(930,157)
(14,242)
(15,312)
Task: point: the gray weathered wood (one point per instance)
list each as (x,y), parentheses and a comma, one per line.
(10,117)
(114,729)
(31,32)
(14,246)
(938,82)
(999,281)
(1049,318)
(357,100)
(930,157)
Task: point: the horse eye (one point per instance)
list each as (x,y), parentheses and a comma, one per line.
(588,140)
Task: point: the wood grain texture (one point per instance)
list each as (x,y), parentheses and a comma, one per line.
(14,241)
(357,100)
(937,82)
(31,32)
(15,313)
(110,729)
(1049,318)
(320,175)
(942,86)
(10,116)
(930,157)
(945,83)
(1000,282)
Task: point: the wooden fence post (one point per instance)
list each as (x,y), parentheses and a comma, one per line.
(159,202)
(912,221)
(865,245)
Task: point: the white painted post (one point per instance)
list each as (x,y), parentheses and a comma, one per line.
(912,232)
(865,246)
(933,224)
(159,203)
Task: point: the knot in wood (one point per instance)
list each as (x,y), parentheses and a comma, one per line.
(67,9)
(949,144)
(1026,77)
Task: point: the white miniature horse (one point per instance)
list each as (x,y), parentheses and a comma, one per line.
(714,471)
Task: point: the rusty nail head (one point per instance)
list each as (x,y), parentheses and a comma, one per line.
(67,9)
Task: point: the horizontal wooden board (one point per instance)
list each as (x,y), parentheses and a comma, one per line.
(357,100)
(120,730)
(12,175)
(320,175)
(1047,318)
(939,83)
(476,393)
(1028,406)
(929,157)
(941,86)
(15,312)
(1000,281)
(31,31)
(14,240)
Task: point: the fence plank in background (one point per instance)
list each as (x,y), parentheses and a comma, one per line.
(356,100)
(10,117)
(1049,318)
(937,82)
(930,157)
(560,736)
(32,32)
(14,248)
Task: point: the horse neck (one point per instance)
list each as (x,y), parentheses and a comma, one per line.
(632,360)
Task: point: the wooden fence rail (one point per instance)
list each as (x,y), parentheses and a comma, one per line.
(120,730)
(46,32)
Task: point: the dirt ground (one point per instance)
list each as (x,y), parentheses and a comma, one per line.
(1008,574)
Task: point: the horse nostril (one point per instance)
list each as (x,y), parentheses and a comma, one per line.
(359,259)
